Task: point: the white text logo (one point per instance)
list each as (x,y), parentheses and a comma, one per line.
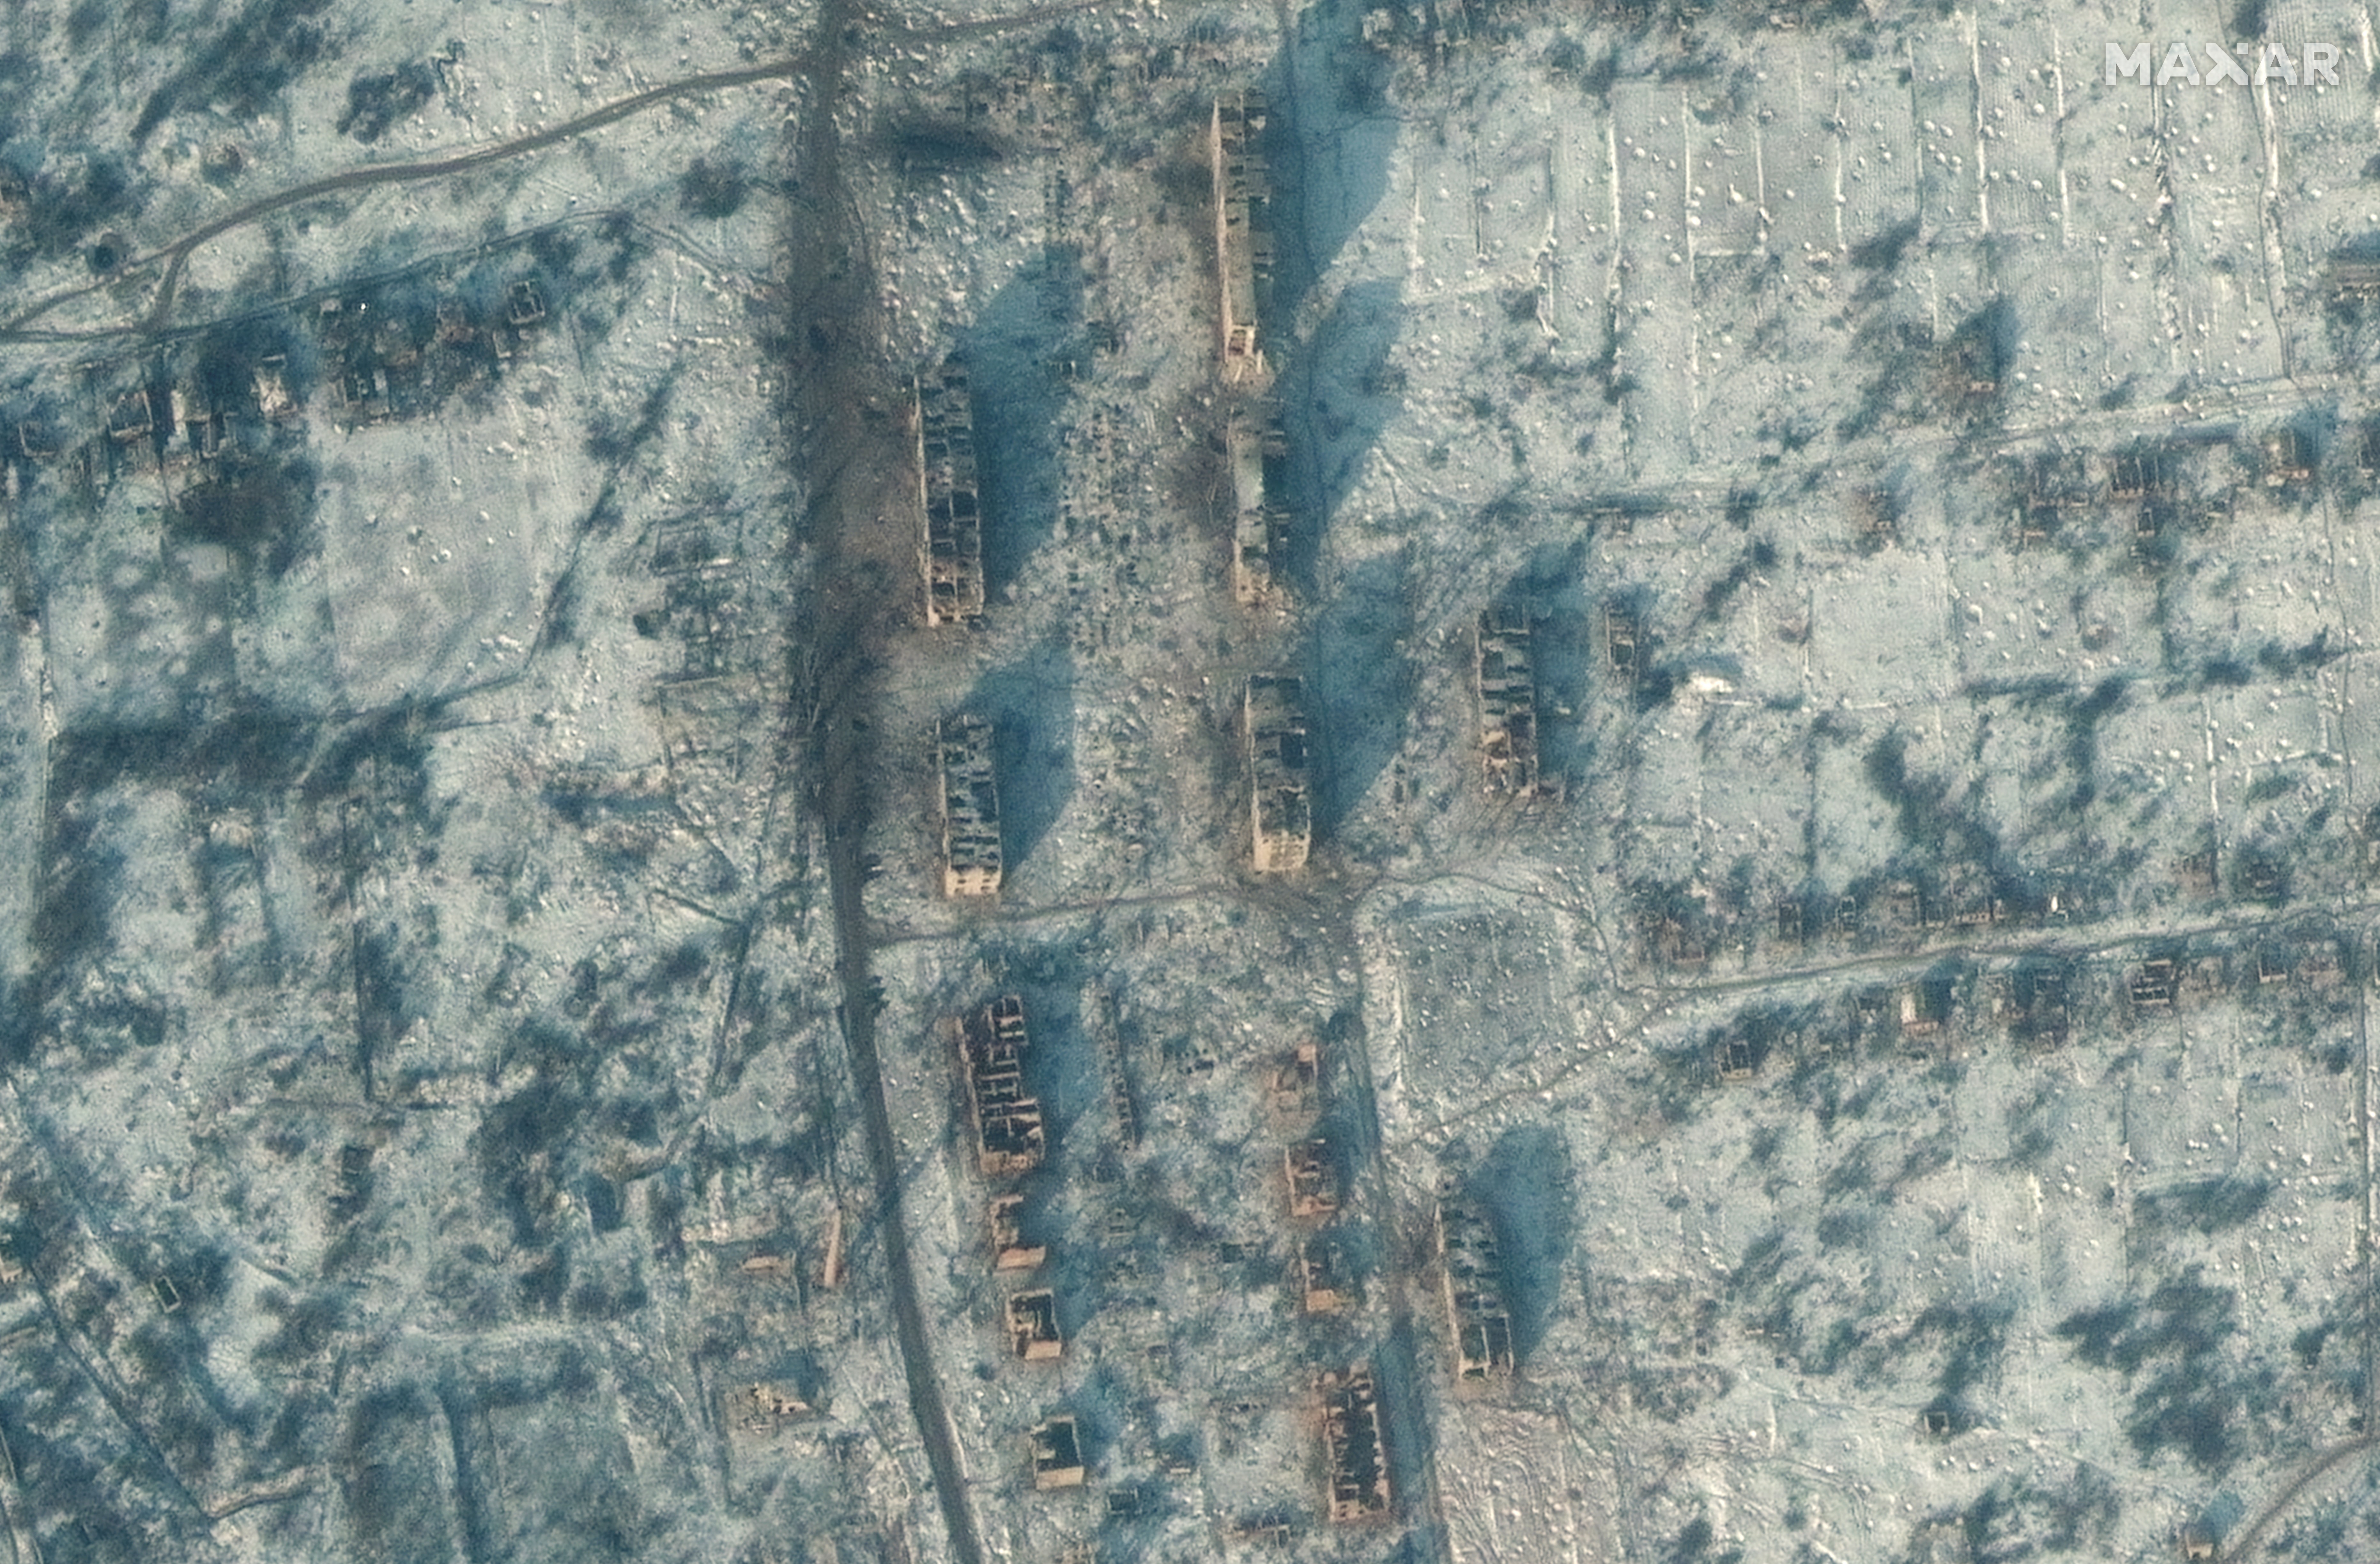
(2213,66)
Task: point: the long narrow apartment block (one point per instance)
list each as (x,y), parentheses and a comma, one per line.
(1257,452)
(1243,238)
(1281,804)
(971,861)
(952,551)
(1508,703)
(1351,1446)
(1477,1316)
(1009,1136)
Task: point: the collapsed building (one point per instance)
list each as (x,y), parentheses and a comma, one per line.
(1009,1250)
(1321,1288)
(274,399)
(1256,454)
(1033,1326)
(1242,240)
(1508,703)
(130,419)
(1099,1022)
(951,553)
(2053,487)
(1313,1181)
(1281,804)
(2155,983)
(1619,634)
(1477,1313)
(2042,1003)
(971,860)
(2287,457)
(1057,1454)
(203,419)
(2354,276)
(1009,1135)
(1351,1446)
(1295,1093)
(2140,474)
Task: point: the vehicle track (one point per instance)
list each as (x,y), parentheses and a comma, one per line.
(175,255)
(858,467)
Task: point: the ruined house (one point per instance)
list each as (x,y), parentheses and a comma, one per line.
(203,420)
(130,419)
(951,553)
(2042,1001)
(1320,1287)
(2050,489)
(971,861)
(1243,240)
(363,393)
(1296,1092)
(769,1407)
(2352,276)
(1619,633)
(1472,1269)
(1313,1181)
(1056,1449)
(1351,1446)
(524,306)
(1280,805)
(1009,1250)
(1033,1326)
(1256,454)
(274,398)
(1508,703)
(2287,456)
(2153,984)
(1009,1136)
(2139,475)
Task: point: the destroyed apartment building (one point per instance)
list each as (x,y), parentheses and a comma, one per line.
(1256,454)
(1351,1446)
(1508,703)
(1009,1135)
(1280,803)
(1477,1316)
(1243,241)
(971,860)
(951,551)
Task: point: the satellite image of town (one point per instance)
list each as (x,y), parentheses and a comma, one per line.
(1436,781)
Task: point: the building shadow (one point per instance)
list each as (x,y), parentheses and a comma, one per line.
(1337,393)
(1030,703)
(1329,140)
(1361,683)
(1016,354)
